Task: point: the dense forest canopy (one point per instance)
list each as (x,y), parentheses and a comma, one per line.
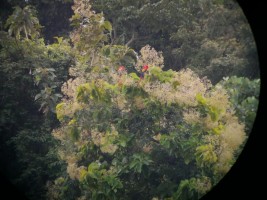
(124,99)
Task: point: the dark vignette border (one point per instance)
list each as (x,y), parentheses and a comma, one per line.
(244,181)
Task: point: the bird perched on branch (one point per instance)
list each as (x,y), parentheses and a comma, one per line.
(144,71)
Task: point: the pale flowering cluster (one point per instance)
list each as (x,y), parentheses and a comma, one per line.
(120,101)
(107,147)
(226,144)
(71,159)
(190,86)
(230,137)
(222,134)
(225,133)
(67,108)
(105,140)
(69,88)
(67,152)
(124,79)
(74,171)
(184,94)
(208,123)
(163,92)
(218,98)
(231,132)
(139,103)
(203,184)
(82,8)
(233,135)
(87,17)
(53,190)
(60,133)
(210,45)
(69,104)
(192,116)
(149,56)
(85,134)
(75,71)
(96,137)
(147,148)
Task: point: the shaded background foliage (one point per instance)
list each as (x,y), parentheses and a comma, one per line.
(25,131)
(215,32)
(27,147)
(26,153)
(53,15)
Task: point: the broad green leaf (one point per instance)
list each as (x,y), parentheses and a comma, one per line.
(134,76)
(107,25)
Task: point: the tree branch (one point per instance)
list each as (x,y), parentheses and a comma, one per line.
(131,40)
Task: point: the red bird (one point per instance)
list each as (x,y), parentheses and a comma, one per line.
(122,70)
(145,68)
(143,71)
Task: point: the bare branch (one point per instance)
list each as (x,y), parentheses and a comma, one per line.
(131,40)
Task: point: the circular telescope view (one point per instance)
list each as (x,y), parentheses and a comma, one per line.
(123,99)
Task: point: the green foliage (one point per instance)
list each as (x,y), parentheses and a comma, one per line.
(212,111)
(139,161)
(92,91)
(170,135)
(48,96)
(120,55)
(54,15)
(205,154)
(192,188)
(74,133)
(36,160)
(138,136)
(244,96)
(89,27)
(211,37)
(134,76)
(156,73)
(23,20)
(32,74)
(101,183)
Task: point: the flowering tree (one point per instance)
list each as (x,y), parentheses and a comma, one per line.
(170,135)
